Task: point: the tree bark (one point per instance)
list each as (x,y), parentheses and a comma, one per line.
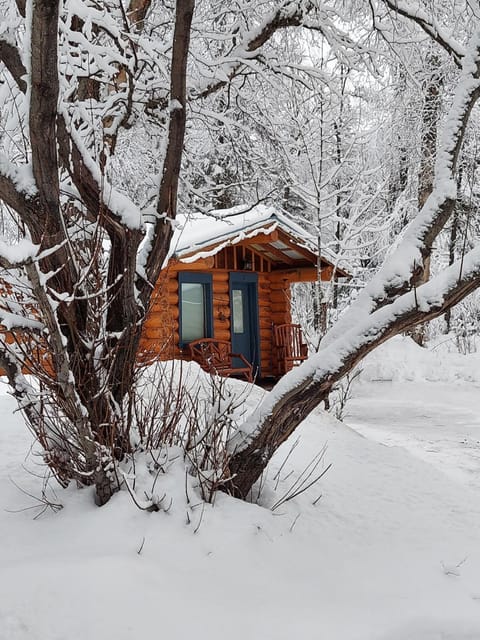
(430,119)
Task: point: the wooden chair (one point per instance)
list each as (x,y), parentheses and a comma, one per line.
(290,347)
(216,357)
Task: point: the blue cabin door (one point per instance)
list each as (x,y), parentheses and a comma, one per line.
(244,318)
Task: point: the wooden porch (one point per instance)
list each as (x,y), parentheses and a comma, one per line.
(216,356)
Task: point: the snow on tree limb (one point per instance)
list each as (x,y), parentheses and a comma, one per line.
(14,255)
(291,13)
(430,26)
(96,192)
(17,187)
(402,268)
(302,389)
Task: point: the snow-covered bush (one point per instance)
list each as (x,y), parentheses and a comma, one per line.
(183,412)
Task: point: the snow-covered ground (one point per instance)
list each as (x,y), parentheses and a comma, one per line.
(390,551)
(427,401)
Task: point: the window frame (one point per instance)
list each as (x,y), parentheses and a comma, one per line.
(205,279)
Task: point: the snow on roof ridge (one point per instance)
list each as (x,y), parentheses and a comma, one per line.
(237,223)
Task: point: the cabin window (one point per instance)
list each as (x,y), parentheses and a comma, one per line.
(196,309)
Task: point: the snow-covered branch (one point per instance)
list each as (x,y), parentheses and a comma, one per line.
(291,13)
(403,267)
(302,389)
(17,187)
(430,26)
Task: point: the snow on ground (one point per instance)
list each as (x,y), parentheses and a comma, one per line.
(390,551)
(427,401)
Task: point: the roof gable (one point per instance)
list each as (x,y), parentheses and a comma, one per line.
(200,236)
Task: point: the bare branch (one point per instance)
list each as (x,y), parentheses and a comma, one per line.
(10,57)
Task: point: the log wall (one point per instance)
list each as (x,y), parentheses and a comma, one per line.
(160,339)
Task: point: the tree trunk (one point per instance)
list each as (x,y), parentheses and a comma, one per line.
(430,118)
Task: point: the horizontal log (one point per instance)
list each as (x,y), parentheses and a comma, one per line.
(221,325)
(160,332)
(172,285)
(281,318)
(264,300)
(279,285)
(221,297)
(279,307)
(264,314)
(280,296)
(265,335)
(164,309)
(222,334)
(222,312)
(161,328)
(164,297)
(201,264)
(303,274)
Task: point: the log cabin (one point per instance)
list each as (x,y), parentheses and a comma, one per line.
(228,280)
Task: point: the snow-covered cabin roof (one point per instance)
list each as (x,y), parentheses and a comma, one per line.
(200,235)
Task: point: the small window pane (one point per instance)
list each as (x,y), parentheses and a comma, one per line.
(237,308)
(193,311)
